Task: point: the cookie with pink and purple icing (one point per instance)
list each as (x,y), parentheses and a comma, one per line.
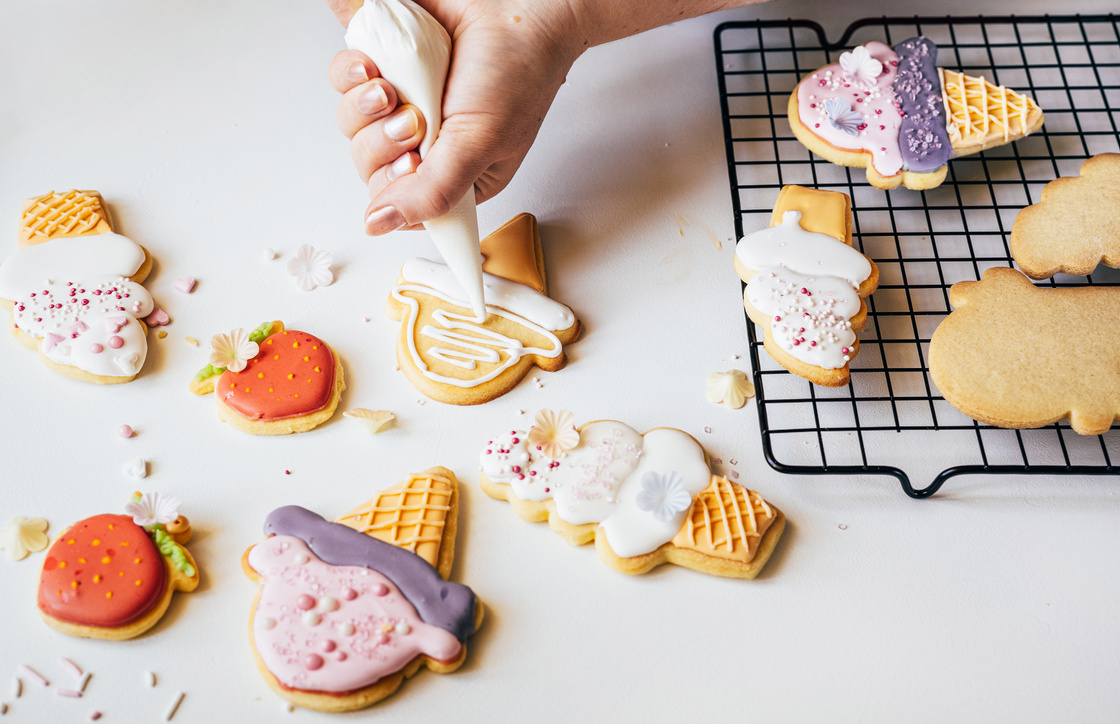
(895,113)
(347,610)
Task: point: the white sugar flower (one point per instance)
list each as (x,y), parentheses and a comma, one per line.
(732,388)
(232,351)
(663,494)
(23,536)
(860,67)
(553,432)
(311,268)
(153,508)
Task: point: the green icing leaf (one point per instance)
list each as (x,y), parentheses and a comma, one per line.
(258,335)
(169,548)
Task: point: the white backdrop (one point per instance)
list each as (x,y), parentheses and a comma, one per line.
(209,127)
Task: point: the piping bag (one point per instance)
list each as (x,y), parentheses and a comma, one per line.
(413,52)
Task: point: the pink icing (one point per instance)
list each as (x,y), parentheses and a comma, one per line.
(358,621)
(876,103)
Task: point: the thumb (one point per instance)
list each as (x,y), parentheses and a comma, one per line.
(448,172)
(344,9)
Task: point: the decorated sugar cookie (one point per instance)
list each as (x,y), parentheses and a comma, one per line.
(895,113)
(112,576)
(806,284)
(448,354)
(643,499)
(74,288)
(1019,356)
(272,381)
(348,610)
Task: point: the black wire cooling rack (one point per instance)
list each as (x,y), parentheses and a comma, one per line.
(923,242)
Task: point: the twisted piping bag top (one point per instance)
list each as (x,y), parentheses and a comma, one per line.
(413,51)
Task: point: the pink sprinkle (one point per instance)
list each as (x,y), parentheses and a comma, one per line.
(116,342)
(96,348)
(349,594)
(548,490)
(305,602)
(516,468)
(515,441)
(813,343)
(85,302)
(32,673)
(95,716)
(341,656)
(379,589)
(844,350)
(287,472)
(489,452)
(184,285)
(313,662)
(125,431)
(71,665)
(816,125)
(796,342)
(329,646)
(777,318)
(532,473)
(521,476)
(68,692)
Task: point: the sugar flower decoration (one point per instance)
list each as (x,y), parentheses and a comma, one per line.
(860,67)
(23,536)
(232,351)
(732,388)
(311,268)
(553,432)
(841,115)
(153,508)
(663,494)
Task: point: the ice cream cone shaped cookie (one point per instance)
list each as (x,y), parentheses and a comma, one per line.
(348,610)
(806,285)
(895,113)
(272,381)
(644,499)
(74,288)
(450,356)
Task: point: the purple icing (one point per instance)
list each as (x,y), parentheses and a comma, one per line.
(922,137)
(450,606)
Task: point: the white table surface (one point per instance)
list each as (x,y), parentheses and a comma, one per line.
(209,127)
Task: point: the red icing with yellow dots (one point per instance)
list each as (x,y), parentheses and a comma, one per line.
(103,571)
(292,375)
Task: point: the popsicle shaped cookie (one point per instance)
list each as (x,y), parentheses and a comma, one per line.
(347,610)
(895,113)
(1015,355)
(644,499)
(806,285)
(451,356)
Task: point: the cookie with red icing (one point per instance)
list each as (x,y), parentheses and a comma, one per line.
(272,381)
(112,576)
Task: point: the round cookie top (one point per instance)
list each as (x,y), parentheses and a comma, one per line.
(292,375)
(103,571)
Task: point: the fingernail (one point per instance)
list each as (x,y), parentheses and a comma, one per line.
(401,126)
(400,167)
(372,101)
(384,220)
(356,72)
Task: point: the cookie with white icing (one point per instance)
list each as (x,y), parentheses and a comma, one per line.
(644,499)
(895,113)
(1075,225)
(272,380)
(112,576)
(75,289)
(447,354)
(348,610)
(806,285)
(1015,355)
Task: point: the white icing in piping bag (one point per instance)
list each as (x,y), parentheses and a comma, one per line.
(413,51)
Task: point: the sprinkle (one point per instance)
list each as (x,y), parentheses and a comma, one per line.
(151,679)
(707,429)
(68,693)
(733,461)
(843,526)
(17,688)
(70,665)
(3,708)
(94,716)
(287,472)
(160,335)
(174,707)
(191,341)
(269,254)
(124,431)
(84,683)
(735,474)
(365,319)
(420,401)
(32,673)
(184,285)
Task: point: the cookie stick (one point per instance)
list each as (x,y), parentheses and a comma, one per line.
(413,51)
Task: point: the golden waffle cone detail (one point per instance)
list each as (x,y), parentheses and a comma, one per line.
(410,515)
(726,521)
(57,215)
(981,114)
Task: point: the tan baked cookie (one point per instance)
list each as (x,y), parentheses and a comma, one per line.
(74,288)
(895,113)
(447,354)
(112,576)
(348,610)
(643,499)
(1015,355)
(1075,225)
(272,381)
(806,284)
